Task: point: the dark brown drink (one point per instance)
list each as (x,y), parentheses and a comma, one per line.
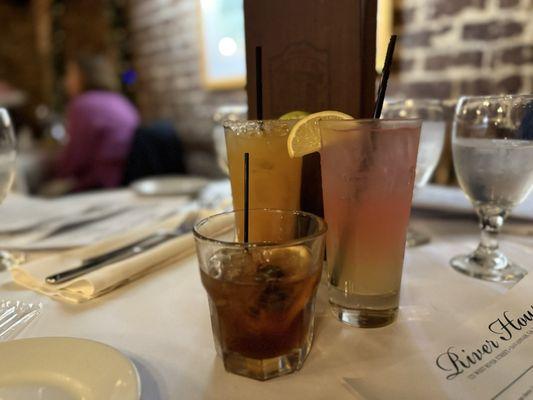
(262,301)
(262,294)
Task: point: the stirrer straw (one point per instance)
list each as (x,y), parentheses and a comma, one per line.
(384,77)
(246,194)
(259,112)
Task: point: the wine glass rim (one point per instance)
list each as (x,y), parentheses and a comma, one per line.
(371,121)
(4,117)
(414,100)
(495,97)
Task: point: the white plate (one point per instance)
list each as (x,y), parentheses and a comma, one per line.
(58,368)
(174,185)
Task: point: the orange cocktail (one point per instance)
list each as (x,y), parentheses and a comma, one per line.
(274,176)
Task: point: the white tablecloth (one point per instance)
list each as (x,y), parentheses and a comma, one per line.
(162,323)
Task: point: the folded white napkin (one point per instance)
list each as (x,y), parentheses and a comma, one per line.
(32,274)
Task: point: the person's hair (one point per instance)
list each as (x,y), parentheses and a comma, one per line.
(97,73)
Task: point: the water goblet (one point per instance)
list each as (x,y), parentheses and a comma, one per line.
(492,147)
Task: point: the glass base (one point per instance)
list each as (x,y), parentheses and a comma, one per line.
(364,318)
(504,271)
(415,238)
(264,369)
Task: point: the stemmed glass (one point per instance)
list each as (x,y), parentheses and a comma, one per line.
(431,143)
(7,168)
(493,157)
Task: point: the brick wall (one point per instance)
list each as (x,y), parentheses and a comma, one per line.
(447,48)
(452,47)
(167,57)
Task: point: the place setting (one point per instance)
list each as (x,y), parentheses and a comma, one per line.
(325,205)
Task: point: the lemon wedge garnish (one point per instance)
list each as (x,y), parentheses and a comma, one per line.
(304,137)
(294,115)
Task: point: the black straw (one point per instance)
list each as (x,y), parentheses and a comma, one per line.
(259,82)
(384,77)
(246,194)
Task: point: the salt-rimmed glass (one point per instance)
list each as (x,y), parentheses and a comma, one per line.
(274,176)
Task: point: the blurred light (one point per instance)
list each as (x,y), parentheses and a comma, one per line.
(58,132)
(227,46)
(129,77)
(208,5)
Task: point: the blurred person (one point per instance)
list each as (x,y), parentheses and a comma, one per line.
(100,125)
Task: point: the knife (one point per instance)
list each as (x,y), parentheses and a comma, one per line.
(122,253)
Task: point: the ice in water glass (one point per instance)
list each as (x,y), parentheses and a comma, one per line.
(493,157)
(432,136)
(7,168)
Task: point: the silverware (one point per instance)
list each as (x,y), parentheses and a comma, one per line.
(130,250)
(14,316)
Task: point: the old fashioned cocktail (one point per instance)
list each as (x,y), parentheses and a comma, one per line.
(262,295)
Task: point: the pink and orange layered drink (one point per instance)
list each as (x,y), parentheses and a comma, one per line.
(368,171)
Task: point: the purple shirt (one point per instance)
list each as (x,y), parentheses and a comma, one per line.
(100,127)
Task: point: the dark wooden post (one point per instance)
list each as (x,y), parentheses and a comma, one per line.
(317,55)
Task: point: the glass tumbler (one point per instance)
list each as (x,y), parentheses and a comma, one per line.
(262,294)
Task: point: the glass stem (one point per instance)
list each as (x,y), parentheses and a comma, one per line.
(490,225)
(489,233)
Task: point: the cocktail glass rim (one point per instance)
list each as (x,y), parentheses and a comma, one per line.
(322,229)
(229,123)
(366,122)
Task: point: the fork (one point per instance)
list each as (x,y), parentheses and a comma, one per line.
(16,316)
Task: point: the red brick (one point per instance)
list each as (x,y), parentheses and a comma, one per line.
(444,61)
(421,38)
(509,85)
(476,87)
(492,30)
(423,89)
(516,55)
(438,8)
(402,64)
